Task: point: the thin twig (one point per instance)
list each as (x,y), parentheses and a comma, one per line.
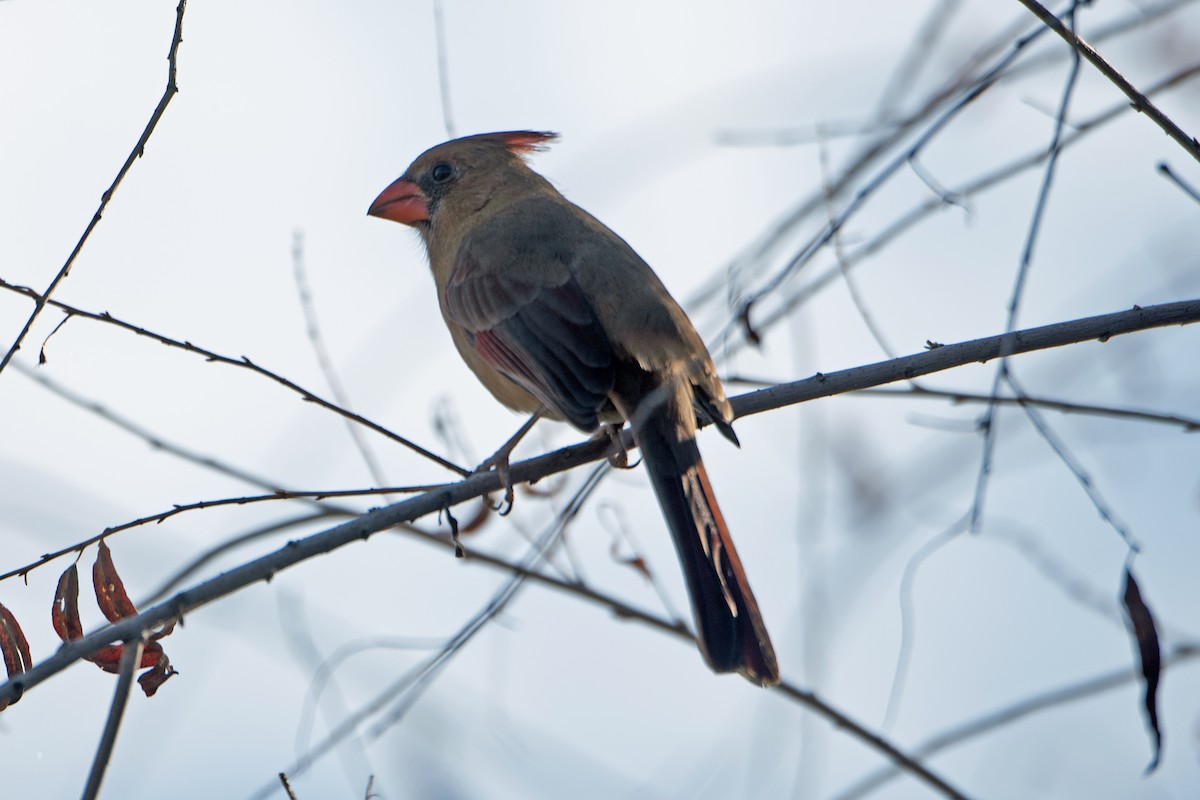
(970,188)
(138,150)
(1072,464)
(244,363)
(313,329)
(406,689)
(154,440)
(908,618)
(232,543)
(443,68)
(1189,424)
(988,423)
(903,762)
(839,255)
(1140,101)
(1100,328)
(741,315)
(131,656)
(920,50)
(287,787)
(323,674)
(1165,170)
(162,516)
(1006,716)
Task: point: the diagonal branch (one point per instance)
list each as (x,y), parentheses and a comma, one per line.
(987,723)
(243,362)
(1140,101)
(138,151)
(130,659)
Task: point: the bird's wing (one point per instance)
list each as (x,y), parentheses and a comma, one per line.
(526,316)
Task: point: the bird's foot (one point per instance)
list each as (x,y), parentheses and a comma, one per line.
(499,461)
(618,457)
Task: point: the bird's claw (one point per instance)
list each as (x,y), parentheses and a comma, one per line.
(618,457)
(499,462)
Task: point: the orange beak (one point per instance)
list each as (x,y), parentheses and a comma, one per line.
(403,201)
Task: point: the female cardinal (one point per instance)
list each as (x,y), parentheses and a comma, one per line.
(555,313)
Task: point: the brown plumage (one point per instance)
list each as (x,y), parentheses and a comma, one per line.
(552,310)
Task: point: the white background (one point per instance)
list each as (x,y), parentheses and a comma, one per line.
(293,116)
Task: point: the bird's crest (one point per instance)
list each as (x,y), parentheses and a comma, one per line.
(525,143)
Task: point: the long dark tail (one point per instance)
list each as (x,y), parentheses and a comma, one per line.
(729,628)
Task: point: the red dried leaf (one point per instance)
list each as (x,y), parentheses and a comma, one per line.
(14,647)
(115,604)
(65,612)
(156,677)
(108,658)
(110,591)
(1145,634)
(13,644)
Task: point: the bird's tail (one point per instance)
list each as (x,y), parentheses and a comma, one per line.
(729,628)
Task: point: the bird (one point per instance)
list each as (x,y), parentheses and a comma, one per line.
(557,315)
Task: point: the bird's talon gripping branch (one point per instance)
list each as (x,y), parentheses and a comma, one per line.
(499,461)
(505,475)
(618,457)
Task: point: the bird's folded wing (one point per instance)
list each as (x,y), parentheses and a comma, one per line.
(544,336)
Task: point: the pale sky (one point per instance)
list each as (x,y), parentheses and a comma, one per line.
(293,116)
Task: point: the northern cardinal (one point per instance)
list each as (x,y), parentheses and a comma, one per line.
(555,313)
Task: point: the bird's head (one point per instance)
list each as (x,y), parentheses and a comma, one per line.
(461,177)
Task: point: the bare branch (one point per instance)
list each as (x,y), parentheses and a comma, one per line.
(1139,101)
(990,419)
(244,363)
(1189,424)
(1100,328)
(287,787)
(1072,463)
(1170,175)
(313,328)
(131,656)
(981,183)
(135,428)
(162,516)
(443,68)
(1005,716)
(139,150)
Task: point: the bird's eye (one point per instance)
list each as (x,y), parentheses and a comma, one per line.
(441,172)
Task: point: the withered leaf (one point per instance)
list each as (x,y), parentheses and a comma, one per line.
(115,604)
(1145,633)
(14,647)
(65,612)
(110,591)
(156,677)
